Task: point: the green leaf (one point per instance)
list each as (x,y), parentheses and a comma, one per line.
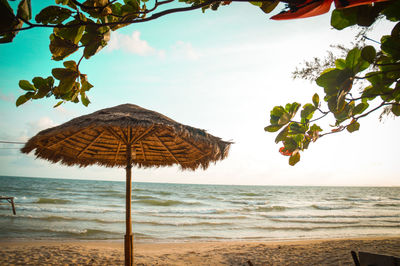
(71,65)
(343,18)
(285,118)
(62,2)
(272,128)
(294,158)
(391,46)
(392,12)
(340,63)
(134,4)
(256,3)
(26,85)
(332,104)
(353,59)
(21,100)
(368,53)
(267,7)
(332,79)
(315,100)
(116,9)
(86,86)
(341,103)
(44,86)
(367,14)
(296,128)
(354,126)
(53,15)
(328,77)
(276,114)
(396,109)
(67,79)
(315,127)
(8,22)
(24,10)
(7,17)
(58,104)
(94,42)
(396,30)
(61,48)
(360,108)
(91,10)
(290,144)
(62,73)
(292,109)
(307,112)
(84,99)
(73,35)
(282,135)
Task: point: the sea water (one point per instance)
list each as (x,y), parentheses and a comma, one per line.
(81,209)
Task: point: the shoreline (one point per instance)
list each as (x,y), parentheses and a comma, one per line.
(334,251)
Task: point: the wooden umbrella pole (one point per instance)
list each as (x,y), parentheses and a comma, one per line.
(128,235)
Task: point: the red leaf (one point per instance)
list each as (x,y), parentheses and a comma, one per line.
(285,152)
(308,9)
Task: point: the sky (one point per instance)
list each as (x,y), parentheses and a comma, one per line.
(219,71)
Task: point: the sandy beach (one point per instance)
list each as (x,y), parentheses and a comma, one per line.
(305,252)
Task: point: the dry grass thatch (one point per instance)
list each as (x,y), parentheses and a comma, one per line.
(103,137)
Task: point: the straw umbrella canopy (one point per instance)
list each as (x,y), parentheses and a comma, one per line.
(124,136)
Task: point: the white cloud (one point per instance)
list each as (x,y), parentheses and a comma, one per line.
(185,50)
(132,44)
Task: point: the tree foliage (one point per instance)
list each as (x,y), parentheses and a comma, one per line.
(377,70)
(85,27)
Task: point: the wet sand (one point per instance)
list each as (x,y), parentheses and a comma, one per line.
(304,252)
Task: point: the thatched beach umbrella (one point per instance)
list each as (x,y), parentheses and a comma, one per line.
(123,136)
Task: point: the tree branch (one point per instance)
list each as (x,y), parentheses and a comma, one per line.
(341,128)
(92,7)
(316,119)
(373,110)
(80,61)
(377,73)
(154,16)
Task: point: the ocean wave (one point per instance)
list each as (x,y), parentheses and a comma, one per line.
(250,194)
(205,237)
(320,207)
(52,201)
(311,228)
(203,197)
(367,216)
(358,199)
(79,232)
(152,192)
(162,193)
(271,208)
(314,221)
(113,195)
(198,216)
(144,197)
(62,189)
(250,202)
(177,223)
(387,205)
(107,191)
(156,202)
(54,218)
(75,209)
(393,198)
